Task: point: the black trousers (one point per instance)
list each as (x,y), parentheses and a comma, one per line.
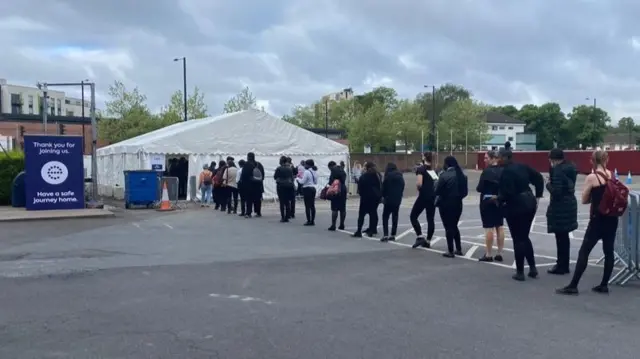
(223,197)
(563,247)
(390,210)
(232,199)
(309,195)
(293,202)
(368,208)
(253,200)
(519,223)
(423,204)
(450,215)
(284,198)
(599,228)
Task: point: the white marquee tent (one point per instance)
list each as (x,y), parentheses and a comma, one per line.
(215,138)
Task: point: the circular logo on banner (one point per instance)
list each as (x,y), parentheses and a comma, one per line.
(54,172)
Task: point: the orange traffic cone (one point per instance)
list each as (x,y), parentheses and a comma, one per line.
(165,205)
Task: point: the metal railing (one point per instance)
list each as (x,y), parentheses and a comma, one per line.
(173,185)
(627,249)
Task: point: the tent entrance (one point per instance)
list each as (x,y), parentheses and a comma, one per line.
(178,166)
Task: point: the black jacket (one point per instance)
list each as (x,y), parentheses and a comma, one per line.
(514,190)
(283,176)
(448,190)
(393,188)
(489,183)
(370,187)
(562,212)
(246,177)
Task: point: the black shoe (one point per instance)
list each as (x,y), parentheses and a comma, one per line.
(371,234)
(284,220)
(332,228)
(558,270)
(241,215)
(458,253)
(533,273)
(603,289)
(568,290)
(293,216)
(258,215)
(216,208)
(341,227)
(384,239)
(498,258)
(247,216)
(519,277)
(448,255)
(486,258)
(392,239)
(309,224)
(357,235)
(420,242)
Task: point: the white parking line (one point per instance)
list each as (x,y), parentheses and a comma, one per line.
(168,226)
(471,252)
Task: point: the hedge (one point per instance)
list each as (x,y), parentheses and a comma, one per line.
(10,166)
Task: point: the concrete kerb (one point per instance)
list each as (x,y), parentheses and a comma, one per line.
(21,215)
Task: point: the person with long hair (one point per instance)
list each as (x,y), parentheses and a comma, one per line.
(229,181)
(308,184)
(283,176)
(338,200)
(426,178)
(392,191)
(562,212)
(490,213)
(451,189)
(370,189)
(221,196)
(520,206)
(253,185)
(600,227)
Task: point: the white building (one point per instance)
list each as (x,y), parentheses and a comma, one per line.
(25,100)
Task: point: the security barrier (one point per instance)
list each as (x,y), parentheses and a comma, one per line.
(627,250)
(173,184)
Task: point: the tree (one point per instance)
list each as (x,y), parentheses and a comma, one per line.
(588,125)
(548,122)
(303,116)
(628,126)
(371,128)
(244,100)
(386,96)
(409,124)
(124,102)
(127,114)
(196,107)
(464,123)
(508,110)
(444,96)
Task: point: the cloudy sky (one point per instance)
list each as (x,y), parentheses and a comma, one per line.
(294,51)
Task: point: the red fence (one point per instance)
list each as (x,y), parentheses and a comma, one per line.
(623,161)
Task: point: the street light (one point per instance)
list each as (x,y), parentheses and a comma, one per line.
(593,114)
(432,138)
(82,84)
(184,81)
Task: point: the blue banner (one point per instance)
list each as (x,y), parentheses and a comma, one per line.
(54,172)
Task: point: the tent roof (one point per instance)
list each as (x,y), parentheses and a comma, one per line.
(234,133)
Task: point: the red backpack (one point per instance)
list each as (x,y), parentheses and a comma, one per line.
(615,198)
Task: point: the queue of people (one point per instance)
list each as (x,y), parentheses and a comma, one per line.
(505,193)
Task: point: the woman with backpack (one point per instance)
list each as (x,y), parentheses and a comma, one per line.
(608,198)
(562,212)
(336,193)
(283,176)
(308,184)
(392,191)
(370,189)
(451,189)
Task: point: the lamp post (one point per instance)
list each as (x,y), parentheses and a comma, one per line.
(595,120)
(82,84)
(184,82)
(432,135)
(326,117)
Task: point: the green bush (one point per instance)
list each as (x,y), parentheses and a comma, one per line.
(10,166)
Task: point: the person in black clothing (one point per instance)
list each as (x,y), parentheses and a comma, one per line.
(294,173)
(222,191)
(451,189)
(490,212)
(562,212)
(283,176)
(392,191)
(426,179)
(370,187)
(600,227)
(252,177)
(338,201)
(241,192)
(520,206)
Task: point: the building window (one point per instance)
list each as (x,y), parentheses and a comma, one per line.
(510,127)
(52,111)
(502,127)
(30,98)
(59,111)
(16,104)
(494,128)
(67,101)
(59,103)
(510,138)
(31,109)
(69,113)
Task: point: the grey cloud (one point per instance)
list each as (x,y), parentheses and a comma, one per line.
(295,51)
